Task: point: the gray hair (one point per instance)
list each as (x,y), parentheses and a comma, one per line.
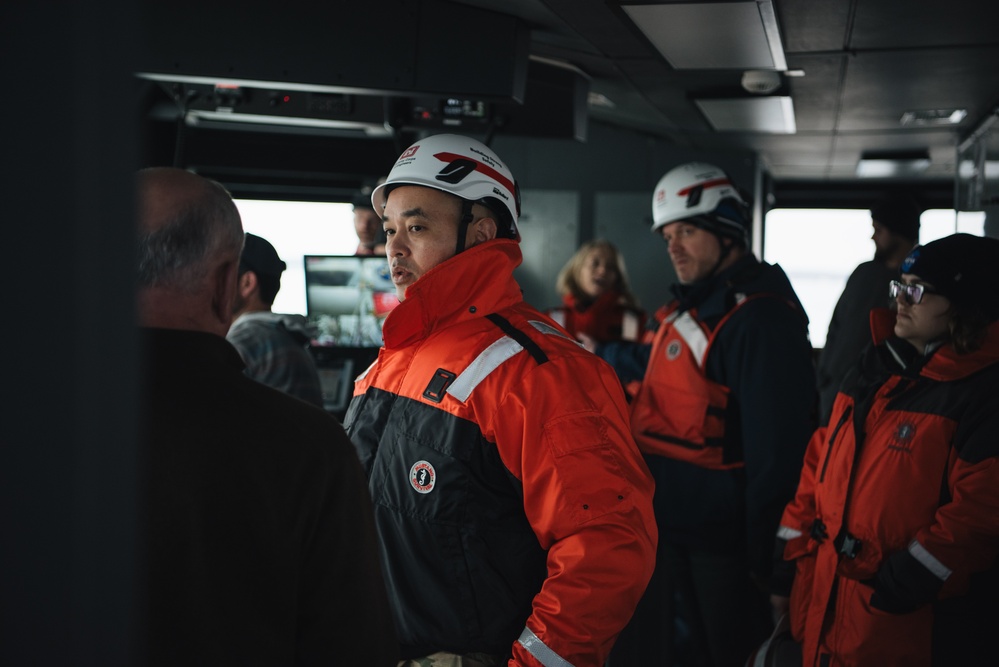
(177,254)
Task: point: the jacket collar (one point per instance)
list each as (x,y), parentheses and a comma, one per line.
(708,295)
(472,284)
(942,364)
(188,352)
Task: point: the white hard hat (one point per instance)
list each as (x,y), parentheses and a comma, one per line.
(703,195)
(460,166)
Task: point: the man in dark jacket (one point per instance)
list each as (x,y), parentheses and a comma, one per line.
(896,231)
(723,395)
(258,528)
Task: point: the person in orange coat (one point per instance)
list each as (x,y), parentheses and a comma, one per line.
(513,506)
(893,535)
(597,302)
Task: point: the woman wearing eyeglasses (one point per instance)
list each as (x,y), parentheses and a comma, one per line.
(893,535)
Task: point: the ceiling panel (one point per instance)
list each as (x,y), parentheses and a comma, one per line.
(808,26)
(881,86)
(894,24)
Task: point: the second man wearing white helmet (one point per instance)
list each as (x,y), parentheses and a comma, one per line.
(723,394)
(513,507)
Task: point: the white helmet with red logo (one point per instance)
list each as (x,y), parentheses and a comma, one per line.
(703,195)
(462,167)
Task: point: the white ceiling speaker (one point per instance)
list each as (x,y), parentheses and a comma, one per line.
(761,81)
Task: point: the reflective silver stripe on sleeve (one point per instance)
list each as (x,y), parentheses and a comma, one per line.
(540,650)
(361,376)
(786,533)
(491,358)
(929,561)
(487,361)
(692,333)
(549,330)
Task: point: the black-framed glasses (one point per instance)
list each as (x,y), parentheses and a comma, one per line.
(913,293)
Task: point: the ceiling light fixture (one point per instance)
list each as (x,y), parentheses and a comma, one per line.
(771,114)
(713,35)
(934,117)
(208,118)
(893,165)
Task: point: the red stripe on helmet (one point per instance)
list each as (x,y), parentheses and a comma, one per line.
(718,182)
(480,167)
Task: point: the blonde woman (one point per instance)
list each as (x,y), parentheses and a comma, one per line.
(597,302)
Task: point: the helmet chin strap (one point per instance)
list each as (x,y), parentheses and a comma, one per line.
(726,250)
(463,223)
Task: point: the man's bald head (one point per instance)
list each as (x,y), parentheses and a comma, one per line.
(185,222)
(189,240)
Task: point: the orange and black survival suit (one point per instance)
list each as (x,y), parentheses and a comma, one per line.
(894,531)
(513,507)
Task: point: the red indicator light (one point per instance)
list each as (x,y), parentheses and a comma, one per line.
(287,98)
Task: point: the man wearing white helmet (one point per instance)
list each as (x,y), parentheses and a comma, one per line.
(513,507)
(723,394)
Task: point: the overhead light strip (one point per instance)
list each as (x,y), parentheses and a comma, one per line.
(195,116)
(770,27)
(713,35)
(769,114)
(264,84)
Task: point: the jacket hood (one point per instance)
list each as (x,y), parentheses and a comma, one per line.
(296,325)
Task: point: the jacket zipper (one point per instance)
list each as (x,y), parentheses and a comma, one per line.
(832,438)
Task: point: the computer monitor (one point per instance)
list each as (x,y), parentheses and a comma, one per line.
(348,297)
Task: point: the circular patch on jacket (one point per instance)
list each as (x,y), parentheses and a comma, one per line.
(422,476)
(673,350)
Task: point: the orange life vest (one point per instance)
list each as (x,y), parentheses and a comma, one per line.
(678,411)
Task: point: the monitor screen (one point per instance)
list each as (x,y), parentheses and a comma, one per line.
(348,298)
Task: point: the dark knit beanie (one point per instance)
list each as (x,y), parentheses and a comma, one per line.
(900,215)
(961,267)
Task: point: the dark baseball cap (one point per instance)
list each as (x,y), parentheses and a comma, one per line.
(260,257)
(960,267)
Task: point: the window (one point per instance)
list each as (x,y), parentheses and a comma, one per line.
(296,229)
(819,249)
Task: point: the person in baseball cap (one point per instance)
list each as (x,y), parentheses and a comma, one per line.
(274,346)
(956,269)
(261,257)
(893,523)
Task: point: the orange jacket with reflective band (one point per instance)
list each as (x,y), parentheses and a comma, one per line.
(899,494)
(678,412)
(513,507)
